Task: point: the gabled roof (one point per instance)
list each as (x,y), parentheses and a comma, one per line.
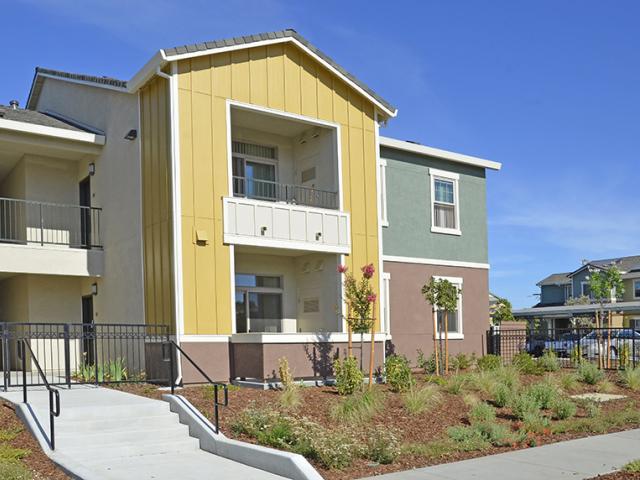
(624,264)
(34,118)
(162,57)
(555,279)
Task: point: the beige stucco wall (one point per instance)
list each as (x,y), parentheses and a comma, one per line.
(115,187)
(14,299)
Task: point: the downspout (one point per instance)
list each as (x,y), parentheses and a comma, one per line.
(380,240)
(176,208)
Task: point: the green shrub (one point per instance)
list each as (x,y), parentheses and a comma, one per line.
(509,376)
(349,377)
(630,378)
(418,400)
(605,386)
(489,362)
(290,397)
(526,364)
(523,405)
(14,471)
(398,373)
(462,361)
(549,362)
(334,450)
(588,373)
(481,435)
(568,382)
(482,412)
(435,380)
(455,384)
(382,445)
(426,364)
(563,408)
(358,408)
(632,467)
(483,381)
(544,393)
(497,434)
(592,409)
(534,422)
(502,395)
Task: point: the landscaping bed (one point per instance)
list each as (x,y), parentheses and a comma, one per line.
(422,420)
(20,455)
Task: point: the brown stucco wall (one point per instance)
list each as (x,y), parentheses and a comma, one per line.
(306,360)
(212,357)
(411,316)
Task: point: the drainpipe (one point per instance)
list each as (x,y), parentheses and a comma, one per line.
(176,207)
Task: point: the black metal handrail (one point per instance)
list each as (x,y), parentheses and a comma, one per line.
(282,192)
(54,394)
(173,349)
(47,223)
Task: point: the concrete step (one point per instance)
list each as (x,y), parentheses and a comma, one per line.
(113,412)
(124,435)
(166,419)
(98,454)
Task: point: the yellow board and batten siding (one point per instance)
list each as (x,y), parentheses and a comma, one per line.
(155,133)
(281,77)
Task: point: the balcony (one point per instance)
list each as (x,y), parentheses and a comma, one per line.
(49,238)
(282,192)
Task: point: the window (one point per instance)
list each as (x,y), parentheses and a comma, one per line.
(636,289)
(258,303)
(445,217)
(454,323)
(384,221)
(585,289)
(568,292)
(254,171)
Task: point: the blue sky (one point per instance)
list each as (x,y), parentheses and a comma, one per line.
(549,88)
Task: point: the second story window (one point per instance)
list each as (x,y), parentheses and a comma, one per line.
(254,171)
(586,289)
(636,289)
(445,217)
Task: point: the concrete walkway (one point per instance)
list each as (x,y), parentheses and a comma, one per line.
(104,434)
(574,459)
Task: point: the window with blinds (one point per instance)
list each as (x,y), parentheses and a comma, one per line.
(444,204)
(253,150)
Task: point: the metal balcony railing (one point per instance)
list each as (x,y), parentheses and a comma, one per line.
(42,223)
(281,192)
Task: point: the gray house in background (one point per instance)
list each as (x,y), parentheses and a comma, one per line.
(566,296)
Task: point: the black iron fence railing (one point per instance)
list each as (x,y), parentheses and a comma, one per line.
(611,348)
(281,192)
(43,223)
(54,394)
(83,353)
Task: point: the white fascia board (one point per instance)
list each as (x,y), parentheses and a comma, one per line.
(54,132)
(434,261)
(438,153)
(83,82)
(160,58)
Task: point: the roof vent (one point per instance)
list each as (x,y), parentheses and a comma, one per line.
(14,104)
(413,141)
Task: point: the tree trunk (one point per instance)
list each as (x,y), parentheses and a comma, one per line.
(441,350)
(361,349)
(373,335)
(435,341)
(446,342)
(349,334)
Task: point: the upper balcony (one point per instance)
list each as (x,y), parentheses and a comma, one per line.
(285,183)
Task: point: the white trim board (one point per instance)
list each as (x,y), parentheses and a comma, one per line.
(204,338)
(438,153)
(328,337)
(61,133)
(433,261)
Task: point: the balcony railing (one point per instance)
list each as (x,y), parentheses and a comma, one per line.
(281,192)
(41,223)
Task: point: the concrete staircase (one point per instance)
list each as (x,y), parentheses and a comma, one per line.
(107,434)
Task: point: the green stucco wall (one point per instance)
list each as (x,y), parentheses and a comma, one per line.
(552,294)
(409,210)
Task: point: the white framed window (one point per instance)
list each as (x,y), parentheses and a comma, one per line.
(568,291)
(636,289)
(445,204)
(635,324)
(258,302)
(386,303)
(585,289)
(454,323)
(382,168)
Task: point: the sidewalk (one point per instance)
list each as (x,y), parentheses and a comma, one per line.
(575,459)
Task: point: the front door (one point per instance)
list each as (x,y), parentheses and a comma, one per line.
(88,331)
(85,213)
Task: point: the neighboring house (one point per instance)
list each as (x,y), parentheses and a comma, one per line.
(566,296)
(217,191)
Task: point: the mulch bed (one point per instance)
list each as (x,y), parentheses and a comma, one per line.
(423,428)
(36,461)
(617,476)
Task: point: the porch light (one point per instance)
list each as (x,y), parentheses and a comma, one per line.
(92,169)
(94,289)
(131,135)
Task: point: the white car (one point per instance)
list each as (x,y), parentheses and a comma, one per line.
(595,343)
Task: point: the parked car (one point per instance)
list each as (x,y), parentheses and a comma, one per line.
(538,343)
(594,344)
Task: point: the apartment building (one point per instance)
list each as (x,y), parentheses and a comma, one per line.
(217,191)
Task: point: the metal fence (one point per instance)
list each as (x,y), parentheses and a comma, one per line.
(611,348)
(281,192)
(26,221)
(83,353)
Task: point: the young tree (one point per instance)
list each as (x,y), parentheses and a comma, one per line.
(605,286)
(502,312)
(443,296)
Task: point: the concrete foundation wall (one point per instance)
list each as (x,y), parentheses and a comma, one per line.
(212,357)
(411,316)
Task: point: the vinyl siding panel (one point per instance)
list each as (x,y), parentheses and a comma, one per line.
(281,77)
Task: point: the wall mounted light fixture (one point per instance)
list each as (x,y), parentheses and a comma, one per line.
(94,289)
(131,135)
(92,169)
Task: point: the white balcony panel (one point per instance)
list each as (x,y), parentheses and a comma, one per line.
(51,260)
(281,225)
